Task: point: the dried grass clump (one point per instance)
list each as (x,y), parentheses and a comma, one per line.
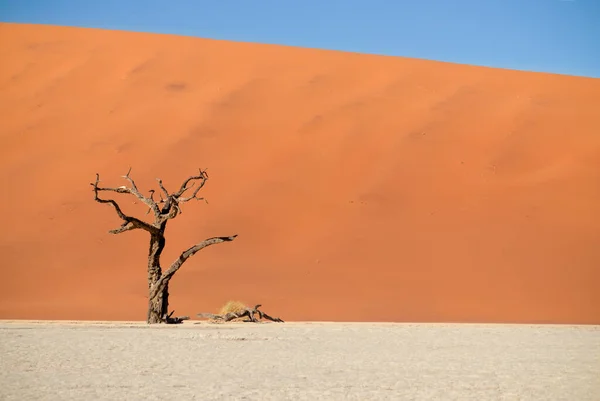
(232,307)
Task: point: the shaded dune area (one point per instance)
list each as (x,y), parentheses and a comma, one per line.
(362,188)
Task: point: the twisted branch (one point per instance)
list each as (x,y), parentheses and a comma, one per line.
(185,255)
(172,202)
(246,312)
(129,223)
(134,191)
(162,188)
(202,176)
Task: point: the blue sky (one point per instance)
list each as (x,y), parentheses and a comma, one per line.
(560,36)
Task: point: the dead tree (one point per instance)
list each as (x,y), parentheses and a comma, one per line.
(246,312)
(166,208)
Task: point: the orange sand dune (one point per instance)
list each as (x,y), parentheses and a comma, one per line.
(362,187)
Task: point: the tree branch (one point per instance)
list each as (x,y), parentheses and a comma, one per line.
(168,319)
(130,223)
(134,191)
(246,312)
(125,227)
(202,176)
(185,256)
(162,187)
(171,203)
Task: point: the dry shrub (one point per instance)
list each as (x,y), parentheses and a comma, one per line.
(232,306)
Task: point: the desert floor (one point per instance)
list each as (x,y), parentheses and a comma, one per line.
(328,361)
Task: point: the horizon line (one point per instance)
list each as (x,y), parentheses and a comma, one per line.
(281,44)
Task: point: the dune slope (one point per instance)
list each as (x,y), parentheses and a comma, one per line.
(362,187)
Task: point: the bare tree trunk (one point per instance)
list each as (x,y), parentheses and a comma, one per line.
(158,305)
(165,301)
(157,244)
